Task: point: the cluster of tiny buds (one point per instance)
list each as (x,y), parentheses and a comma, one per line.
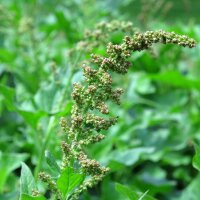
(92,167)
(92,139)
(102,107)
(142,41)
(35,193)
(65,148)
(101,35)
(100,123)
(64,124)
(88,165)
(91,88)
(116,95)
(46,178)
(105,28)
(88,184)
(67,154)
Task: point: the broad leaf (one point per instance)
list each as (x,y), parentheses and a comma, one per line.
(8,96)
(69,180)
(48,98)
(8,163)
(196,158)
(126,191)
(31,118)
(176,79)
(132,195)
(192,192)
(29,197)
(130,156)
(27,182)
(52,163)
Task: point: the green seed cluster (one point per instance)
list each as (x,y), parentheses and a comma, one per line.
(46,178)
(90,112)
(101,34)
(106,28)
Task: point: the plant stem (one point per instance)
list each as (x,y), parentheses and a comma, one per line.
(45,143)
(52,121)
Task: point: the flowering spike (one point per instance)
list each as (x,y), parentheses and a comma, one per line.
(91,96)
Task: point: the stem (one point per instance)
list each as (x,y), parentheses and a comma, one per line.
(46,140)
(51,123)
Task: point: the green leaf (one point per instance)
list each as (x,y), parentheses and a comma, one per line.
(29,197)
(8,163)
(108,190)
(143,84)
(31,118)
(27,80)
(192,192)
(132,195)
(176,79)
(5,55)
(10,195)
(130,156)
(8,96)
(52,162)
(27,182)
(196,158)
(69,180)
(145,196)
(126,191)
(48,98)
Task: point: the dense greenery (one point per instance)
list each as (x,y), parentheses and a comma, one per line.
(152,151)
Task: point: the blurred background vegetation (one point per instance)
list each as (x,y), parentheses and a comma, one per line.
(151,148)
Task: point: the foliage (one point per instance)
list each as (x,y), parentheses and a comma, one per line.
(150,149)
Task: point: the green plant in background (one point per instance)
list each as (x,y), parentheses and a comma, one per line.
(77,171)
(149,148)
(160,8)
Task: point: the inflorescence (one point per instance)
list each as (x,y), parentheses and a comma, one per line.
(101,34)
(90,112)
